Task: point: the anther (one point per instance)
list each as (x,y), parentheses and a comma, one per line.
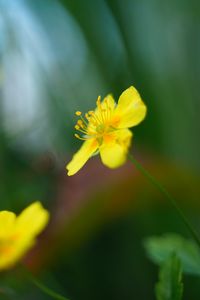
(78,113)
(80,138)
(87,116)
(80,123)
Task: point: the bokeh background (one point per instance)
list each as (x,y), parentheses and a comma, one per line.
(56,57)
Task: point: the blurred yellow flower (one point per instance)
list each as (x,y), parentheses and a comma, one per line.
(105,130)
(18,233)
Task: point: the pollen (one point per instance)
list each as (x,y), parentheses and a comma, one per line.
(78,113)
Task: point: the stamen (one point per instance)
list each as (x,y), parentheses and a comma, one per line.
(84,131)
(80,138)
(87,116)
(94,118)
(94,123)
(108,108)
(80,123)
(98,100)
(84,122)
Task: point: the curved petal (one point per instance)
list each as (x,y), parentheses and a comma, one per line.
(22,237)
(10,255)
(113,153)
(81,157)
(123,137)
(130,109)
(32,220)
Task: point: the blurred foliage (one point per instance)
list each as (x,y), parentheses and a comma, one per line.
(57,57)
(170,286)
(160,248)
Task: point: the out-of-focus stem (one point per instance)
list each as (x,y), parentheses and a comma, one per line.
(163,190)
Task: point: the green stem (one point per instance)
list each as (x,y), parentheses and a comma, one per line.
(43,288)
(167,195)
(47,291)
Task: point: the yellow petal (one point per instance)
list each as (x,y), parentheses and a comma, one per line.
(7,219)
(13,252)
(123,137)
(113,152)
(130,109)
(22,236)
(81,157)
(32,220)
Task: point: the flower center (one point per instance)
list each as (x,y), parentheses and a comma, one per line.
(100,128)
(95,123)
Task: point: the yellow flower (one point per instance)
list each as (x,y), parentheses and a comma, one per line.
(105,130)
(18,233)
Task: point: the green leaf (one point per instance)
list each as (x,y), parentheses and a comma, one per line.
(170,286)
(160,248)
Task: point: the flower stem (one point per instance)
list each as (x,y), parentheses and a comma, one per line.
(163,190)
(43,287)
(47,291)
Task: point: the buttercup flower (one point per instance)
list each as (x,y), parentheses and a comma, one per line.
(18,233)
(105,130)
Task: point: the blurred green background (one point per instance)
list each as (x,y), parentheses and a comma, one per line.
(56,57)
